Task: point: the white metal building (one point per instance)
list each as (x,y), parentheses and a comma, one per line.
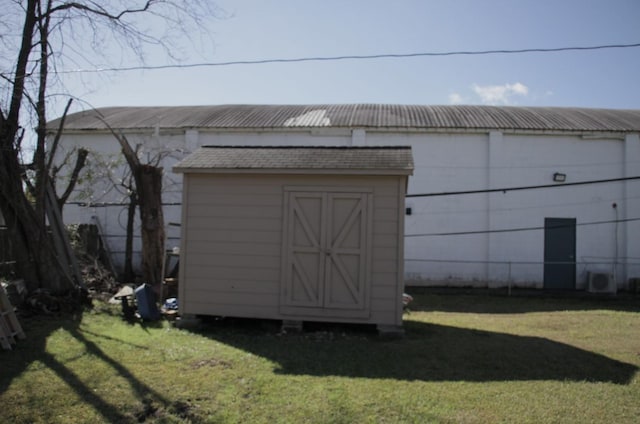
(552,236)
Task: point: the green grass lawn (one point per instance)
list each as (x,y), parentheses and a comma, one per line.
(465,358)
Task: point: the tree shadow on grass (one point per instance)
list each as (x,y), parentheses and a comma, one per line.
(428,352)
(33,349)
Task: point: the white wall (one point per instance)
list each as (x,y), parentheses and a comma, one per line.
(446,162)
(629,232)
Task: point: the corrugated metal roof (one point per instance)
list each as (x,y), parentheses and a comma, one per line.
(370,116)
(377,160)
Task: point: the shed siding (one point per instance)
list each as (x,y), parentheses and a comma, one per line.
(232,250)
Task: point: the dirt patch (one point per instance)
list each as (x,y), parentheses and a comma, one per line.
(153,411)
(213,362)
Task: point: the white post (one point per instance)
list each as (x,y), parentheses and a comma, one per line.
(628,231)
(495,160)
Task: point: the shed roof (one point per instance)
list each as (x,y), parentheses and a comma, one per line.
(325,159)
(370,116)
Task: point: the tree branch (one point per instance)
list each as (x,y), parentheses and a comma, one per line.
(127,151)
(13,116)
(80,162)
(100,10)
(56,140)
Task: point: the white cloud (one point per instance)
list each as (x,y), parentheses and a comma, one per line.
(500,94)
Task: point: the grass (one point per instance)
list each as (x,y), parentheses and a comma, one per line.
(465,358)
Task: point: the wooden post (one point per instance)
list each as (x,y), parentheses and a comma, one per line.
(66,256)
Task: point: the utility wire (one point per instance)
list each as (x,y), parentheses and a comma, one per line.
(505,189)
(352,57)
(512,230)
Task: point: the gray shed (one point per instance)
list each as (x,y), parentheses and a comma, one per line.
(295,233)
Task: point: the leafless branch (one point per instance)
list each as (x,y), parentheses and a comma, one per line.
(56,140)
(80,162)
(17,95)
(127,151)
(101,11)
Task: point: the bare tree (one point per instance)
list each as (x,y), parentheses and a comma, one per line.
(37,37)
(148,195)
(109,180)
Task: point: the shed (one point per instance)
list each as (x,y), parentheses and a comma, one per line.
(295,233)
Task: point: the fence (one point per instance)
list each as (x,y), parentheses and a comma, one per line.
(509,274)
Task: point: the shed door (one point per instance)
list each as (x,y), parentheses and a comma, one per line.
(325,252)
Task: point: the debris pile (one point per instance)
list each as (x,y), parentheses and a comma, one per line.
(43,302)
(100,282)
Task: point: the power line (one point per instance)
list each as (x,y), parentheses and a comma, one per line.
(534,187)
(90,204)
(629,260)
(352,57)
(512,230)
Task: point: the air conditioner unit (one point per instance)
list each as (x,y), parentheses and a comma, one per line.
(599,282)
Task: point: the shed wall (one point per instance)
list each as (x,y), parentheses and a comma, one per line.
(232,244)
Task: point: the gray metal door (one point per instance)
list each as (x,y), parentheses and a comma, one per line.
(559,253)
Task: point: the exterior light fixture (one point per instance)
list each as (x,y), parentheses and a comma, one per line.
(559,177)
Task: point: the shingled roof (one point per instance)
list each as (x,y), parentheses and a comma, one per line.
(368,116)
(350,160)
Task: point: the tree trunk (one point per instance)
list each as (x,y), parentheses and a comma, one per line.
(149,189)
(35,256)
(128,250)
(148,179)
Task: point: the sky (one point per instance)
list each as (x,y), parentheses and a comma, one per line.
(275,29)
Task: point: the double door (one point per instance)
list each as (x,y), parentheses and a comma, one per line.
(326,252)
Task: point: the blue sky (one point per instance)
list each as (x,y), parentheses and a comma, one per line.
(255,29)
